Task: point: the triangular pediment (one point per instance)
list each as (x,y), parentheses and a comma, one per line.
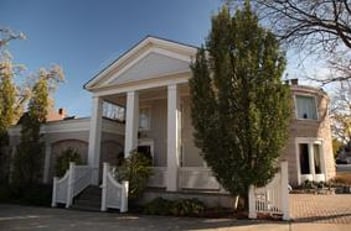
(151,66)
(150,59)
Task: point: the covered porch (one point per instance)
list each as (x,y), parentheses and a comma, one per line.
(150,82)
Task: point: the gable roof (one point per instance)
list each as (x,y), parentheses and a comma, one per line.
(145,53)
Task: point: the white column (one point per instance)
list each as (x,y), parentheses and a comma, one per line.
(132,123)
(95,138)
(173,137)
(47,162)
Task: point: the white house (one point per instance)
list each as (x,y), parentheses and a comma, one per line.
(149,83)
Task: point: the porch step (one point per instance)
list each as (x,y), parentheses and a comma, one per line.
(89,199)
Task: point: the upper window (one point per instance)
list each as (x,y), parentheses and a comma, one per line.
(113,111)
(144,119)
(306,107)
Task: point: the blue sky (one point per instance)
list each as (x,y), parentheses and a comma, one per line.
(83,36)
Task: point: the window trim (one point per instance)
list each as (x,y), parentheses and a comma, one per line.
(315,104)
(310,141)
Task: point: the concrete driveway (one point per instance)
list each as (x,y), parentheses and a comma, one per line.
(13,217)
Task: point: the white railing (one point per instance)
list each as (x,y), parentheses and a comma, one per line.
(59,192)
(272,198)
(158,177)
(198,178)
(114,194)
(75,180)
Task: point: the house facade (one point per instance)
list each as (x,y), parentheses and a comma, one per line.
(149,84)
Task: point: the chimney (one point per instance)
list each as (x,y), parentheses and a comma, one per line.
(61,112)
(294,81)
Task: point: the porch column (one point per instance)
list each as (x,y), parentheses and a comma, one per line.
(132,123)
(47,163)
(95,138)
(173,137)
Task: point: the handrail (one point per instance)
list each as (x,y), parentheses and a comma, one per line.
(114,194)
(75,180)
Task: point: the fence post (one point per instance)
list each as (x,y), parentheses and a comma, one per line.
(104,188)
(53,199)
(124,197)
(284,183)
(252,203)
(70,185)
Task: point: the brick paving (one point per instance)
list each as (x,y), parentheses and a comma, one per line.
(332,209)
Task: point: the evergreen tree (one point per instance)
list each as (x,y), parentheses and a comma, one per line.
(240,108)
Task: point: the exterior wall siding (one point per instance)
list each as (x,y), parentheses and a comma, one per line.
(319,129)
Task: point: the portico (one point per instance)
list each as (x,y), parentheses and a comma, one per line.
(153,75)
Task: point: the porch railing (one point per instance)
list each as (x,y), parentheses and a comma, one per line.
(114,194)
(197,178)
(75,180)
(158,177)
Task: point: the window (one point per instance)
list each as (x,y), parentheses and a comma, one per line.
(113,111)
(144,119)
(306,107)
(306,156)
(304,159)
(317,158)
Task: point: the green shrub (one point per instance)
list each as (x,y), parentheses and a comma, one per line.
(181,207)
(135,169)
(158,206)
(34,194)
(62,161)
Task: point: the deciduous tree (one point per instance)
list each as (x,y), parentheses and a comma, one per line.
(30,153)
(318,27)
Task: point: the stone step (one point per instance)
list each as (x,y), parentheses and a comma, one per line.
(86,207)
(88,202)
(89,199)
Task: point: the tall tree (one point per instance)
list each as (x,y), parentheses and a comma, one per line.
(340,113)
(320,27)
(12,97)
(240,108)
(29,157)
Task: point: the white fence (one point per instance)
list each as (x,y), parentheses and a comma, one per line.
(272,198)
(75,180)
(114,194)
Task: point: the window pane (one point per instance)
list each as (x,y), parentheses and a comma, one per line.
(306,107)
(144,119)
(317,159)
(113,111)
(304,160)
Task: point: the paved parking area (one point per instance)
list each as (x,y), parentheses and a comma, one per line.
(333,209)
(14,217)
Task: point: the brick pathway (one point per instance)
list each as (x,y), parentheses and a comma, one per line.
(335,209)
